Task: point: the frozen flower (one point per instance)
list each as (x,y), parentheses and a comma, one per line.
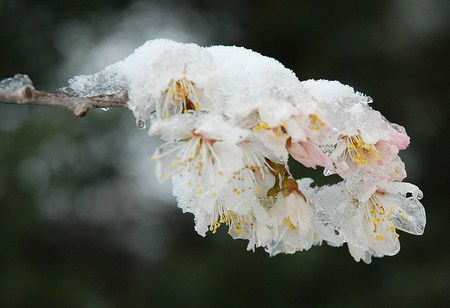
(267,121)
(363,138)
(353,155)
(292,220)
(347,112)
(278,217)
(372,230)
(161,66)
(368,223)
(284,211)
(201,149)
(242,189)
(235,194)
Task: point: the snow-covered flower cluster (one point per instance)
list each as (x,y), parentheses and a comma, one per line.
(231,118)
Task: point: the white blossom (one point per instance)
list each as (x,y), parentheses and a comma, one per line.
(368,223)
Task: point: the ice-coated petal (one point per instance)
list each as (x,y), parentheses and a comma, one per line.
(213,126)
(308,153)
(403,189)
(407,213)
(409,216)
(359,252)
(290,221)
(399,138)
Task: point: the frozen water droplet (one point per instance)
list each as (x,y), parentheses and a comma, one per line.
(327,172)
(141,124)
(327,149)
(419,195)
(105,109)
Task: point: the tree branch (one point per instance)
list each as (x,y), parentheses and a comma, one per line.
(27,95)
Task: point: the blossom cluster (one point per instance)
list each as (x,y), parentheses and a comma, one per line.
(231,118)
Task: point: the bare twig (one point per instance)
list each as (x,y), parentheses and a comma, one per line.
(27,95)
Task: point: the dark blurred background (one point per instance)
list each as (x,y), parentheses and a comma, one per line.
(83,221)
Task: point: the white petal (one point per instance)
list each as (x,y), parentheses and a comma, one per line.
(213,126)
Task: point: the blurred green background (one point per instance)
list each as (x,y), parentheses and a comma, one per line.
(83,221)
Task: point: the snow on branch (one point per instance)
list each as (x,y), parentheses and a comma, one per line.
(20,90)
(230,119)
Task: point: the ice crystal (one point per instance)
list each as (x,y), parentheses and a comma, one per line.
(16,82)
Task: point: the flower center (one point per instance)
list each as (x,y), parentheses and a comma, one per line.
(377,215)
(238,224)
(180,97)
(360,152)
(315,122)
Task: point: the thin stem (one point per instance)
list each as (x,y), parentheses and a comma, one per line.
(27,95)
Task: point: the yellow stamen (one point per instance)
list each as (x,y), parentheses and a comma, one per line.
(287,221)
(360,152)
(316,123)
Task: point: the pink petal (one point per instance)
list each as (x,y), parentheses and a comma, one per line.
(308,153)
